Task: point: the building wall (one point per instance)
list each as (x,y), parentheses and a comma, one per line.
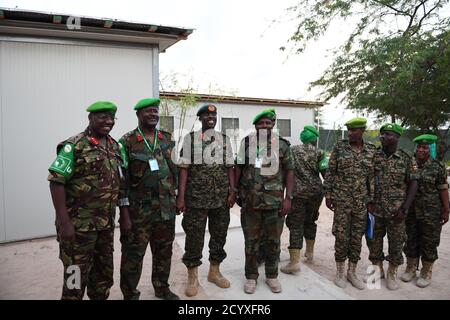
(45,88)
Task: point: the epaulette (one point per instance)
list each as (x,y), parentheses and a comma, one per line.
(72,140)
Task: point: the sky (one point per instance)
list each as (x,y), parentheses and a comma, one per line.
(234,49)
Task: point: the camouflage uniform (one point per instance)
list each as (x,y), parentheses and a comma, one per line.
(308,195)
(260,197)
(152,211)
(392,177)
(91,198)
(206,196)
(423,227)
(349,184)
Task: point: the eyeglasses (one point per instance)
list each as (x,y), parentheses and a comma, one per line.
(105,116)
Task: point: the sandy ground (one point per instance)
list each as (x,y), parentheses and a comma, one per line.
(32,270)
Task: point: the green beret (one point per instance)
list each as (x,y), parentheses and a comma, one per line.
(100,106)
(312,130)
(148,102)
(206,108)
(425,139)
(271,110)
(268,113)
(392,127)
(356,123)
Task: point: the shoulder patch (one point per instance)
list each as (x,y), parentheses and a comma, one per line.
(64,162)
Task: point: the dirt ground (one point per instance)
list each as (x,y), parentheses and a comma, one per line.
(32,270)
(324,265)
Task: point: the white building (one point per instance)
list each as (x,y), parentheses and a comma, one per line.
(52,67)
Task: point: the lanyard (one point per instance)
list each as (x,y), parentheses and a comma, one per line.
(146,142)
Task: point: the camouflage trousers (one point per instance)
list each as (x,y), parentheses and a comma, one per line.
(349,225)
(396,235)
(423,237)
(160,235)
(88,261)
(254,223)
(301,221)
(194,224)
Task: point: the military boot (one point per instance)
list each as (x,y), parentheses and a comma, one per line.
(166,294)
(392,277)
(294,263)
(309,252)
(250,286)
(216,277)
(352,278)
(410,271)
(376,265)
(192,285)
(425,274)
(274,285)
(340,278)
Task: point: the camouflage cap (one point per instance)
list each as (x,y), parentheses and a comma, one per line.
(392,127)
(356,123)
(147,102)
(268,113)
(101,106)
(425,139)
(206,108)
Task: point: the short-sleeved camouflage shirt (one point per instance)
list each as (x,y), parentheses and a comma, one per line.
(207,156)
(307,175)
(263,188)
(392,176)
(92,190)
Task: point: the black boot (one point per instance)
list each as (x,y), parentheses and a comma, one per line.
(166,294)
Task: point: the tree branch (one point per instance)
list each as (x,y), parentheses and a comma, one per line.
(405,13)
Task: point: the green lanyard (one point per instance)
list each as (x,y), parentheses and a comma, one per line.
(146,142)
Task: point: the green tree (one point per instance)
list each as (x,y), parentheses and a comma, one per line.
(395,63)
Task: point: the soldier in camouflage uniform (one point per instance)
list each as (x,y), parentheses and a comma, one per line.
(348,188)
(84,184)
(395,188)
(264,170)
(150,194)
(206,186)
(309,162)
(429,212)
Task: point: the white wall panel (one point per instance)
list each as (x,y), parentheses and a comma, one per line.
(45,89)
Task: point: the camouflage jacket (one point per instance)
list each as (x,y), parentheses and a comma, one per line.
(263,188)
(306,161)
(154,191)
(432,178)
(207,181)
(92,190)
(392,177)
(349,177)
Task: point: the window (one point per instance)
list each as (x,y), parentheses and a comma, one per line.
(230,123)
(166,123)
(284,127)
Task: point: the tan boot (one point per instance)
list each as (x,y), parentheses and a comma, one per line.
(216,277)
(250,286)
(274,285)
(192,285)
(379,265)
(425,274)
(340,278)
(309,254)
(294,263)
(411,267)
(352,278)
(391,277)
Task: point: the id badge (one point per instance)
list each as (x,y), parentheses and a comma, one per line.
(258,163)
(153,164)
